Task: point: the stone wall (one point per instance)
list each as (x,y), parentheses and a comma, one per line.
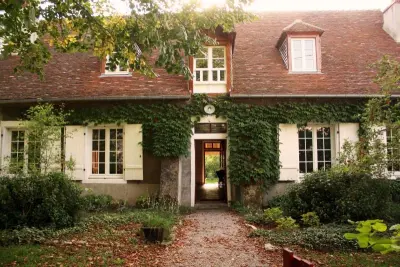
(186,181)
(169,177)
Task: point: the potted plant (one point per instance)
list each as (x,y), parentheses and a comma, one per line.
(156,228)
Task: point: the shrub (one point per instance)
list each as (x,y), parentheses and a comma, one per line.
(338,195)
(39,201)
(255,217)
(395,191)
(324,238)
(310,219)
(287,223)
(272,214)
(277,201)
(162,203)
(97,203)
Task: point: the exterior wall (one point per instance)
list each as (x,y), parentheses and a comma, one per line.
(391,21)
(277,189)
(185,182)
(128,192)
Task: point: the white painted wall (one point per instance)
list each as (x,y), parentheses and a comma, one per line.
(391,21)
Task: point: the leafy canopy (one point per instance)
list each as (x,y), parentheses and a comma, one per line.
(173,28)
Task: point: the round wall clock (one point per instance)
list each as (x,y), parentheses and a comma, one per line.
(209,109)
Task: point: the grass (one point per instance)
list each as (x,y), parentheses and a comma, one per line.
(106,239)
(211,180)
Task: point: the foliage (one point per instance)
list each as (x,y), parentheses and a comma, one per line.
(158,221)
(173,28)
(255,217)
(39,201)
(368,236)
(212,164)
(310,219)
(97,202)
(337,195)
(155,202)
(323,238)
(395,190)
(272,214)
(286,223)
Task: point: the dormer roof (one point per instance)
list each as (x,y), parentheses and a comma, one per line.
(299,26)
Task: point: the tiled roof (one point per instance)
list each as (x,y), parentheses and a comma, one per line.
(351,42)
(77,76)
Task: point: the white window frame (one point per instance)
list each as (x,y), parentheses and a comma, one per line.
(107,174)
(314,128)
(117,71)
(210,68)
(303,69)
(25,152)
(389,135)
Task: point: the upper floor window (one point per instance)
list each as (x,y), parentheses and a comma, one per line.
(210,65)
(119,69)
(315,149)
(303,55)
(107,151)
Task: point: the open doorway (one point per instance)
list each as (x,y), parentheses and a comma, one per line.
(210,166)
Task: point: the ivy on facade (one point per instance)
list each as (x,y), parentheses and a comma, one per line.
(252,129)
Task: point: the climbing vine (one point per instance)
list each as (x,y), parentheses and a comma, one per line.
(252,129)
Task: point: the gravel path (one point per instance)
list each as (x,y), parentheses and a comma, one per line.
(217,238)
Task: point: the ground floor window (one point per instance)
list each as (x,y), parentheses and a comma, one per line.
(107,151)
(393,152)
(315,148)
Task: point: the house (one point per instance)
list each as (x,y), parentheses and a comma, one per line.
(282,58)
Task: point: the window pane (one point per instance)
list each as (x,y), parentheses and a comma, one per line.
(215,75)
(102,168)
(302,156)
(222,75)
(308,144)
(102,156)
(218,52)
(113,134)
(309,156)
(120,134)
(113,145)
(202,53)
(302,144)
(205,75)
(102,134)
(113,157)
(320,155)
(310,167)
(198,76)
(120,169)
(218,63)
(201,63)
(302,168)
(95,145)
(113,168)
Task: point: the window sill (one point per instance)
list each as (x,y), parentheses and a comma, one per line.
(105,75)
(93,179)
(100,176)
(305,72)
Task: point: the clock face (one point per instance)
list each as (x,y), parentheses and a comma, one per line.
(209,109)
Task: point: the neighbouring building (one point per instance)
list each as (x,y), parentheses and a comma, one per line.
(283,57)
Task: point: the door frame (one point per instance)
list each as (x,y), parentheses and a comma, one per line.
(208,136)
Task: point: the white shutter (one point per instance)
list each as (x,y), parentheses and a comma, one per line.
(297,55)
(309,54)
(75,149)
(133,156)
(346,131)
(289,152)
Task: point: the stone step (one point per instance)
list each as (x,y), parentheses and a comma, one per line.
(211,205)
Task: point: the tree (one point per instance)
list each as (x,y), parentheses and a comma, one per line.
(169,30)
(372,154)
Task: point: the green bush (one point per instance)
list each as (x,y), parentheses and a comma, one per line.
(325,238)
(336,196)
(39,201)
(286,223)
(395,190)
(97,203)
(256,217)
(272,214)
(310,219)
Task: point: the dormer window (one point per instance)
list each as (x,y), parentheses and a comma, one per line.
(119,69)
(300,47)
(210,65)
(303,54)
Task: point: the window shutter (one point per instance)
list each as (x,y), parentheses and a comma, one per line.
(55,153)
(75,148)
(289,156)
(309,54)
(133,159)
(297,54)
(346,131)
